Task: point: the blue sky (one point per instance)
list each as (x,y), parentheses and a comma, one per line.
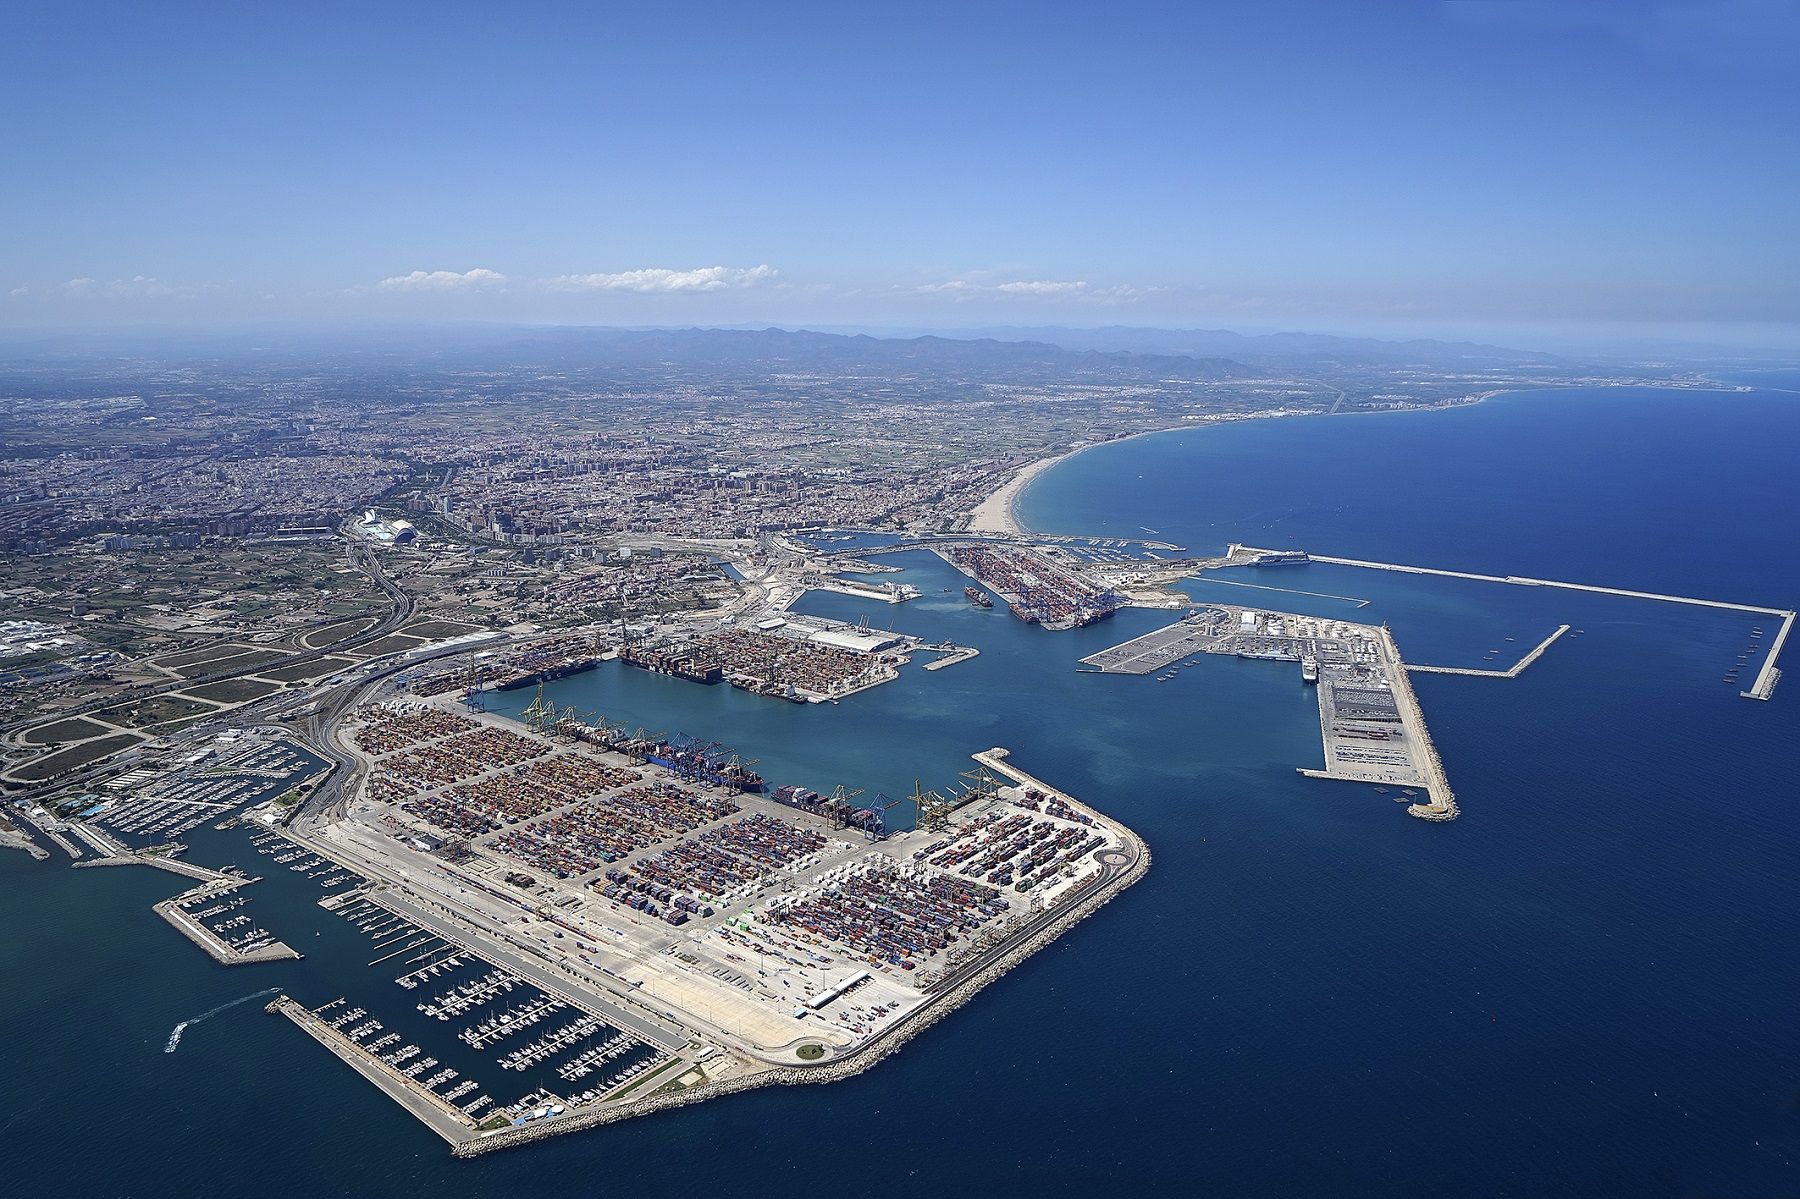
(1325,165)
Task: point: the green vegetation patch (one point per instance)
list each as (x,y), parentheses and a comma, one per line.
(72,729)
(157,709)
(194,657)
(810,1052)
(392,644)
(304,670)
(233,691)
(75,757)
(238,661)
(437,628)
(338,631)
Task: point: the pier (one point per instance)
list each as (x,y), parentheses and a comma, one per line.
(432,1110)
(174,911)
(161,862)
(1155,650)
(1512,672)
(961,653)
(1766,678)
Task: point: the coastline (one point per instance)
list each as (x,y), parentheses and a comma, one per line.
(999,511)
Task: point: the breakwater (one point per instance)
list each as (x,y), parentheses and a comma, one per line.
(1511,672)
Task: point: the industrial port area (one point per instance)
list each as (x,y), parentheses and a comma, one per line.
(572,918)
(605,914)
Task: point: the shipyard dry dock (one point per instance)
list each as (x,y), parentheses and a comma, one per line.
(1370,722)
(740,939)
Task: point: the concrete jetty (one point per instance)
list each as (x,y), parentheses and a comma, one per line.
(220,951)
(160,862)
(1442,801)
(53,829)
(18,838)
(961,653)
(431,1109)
(1768,676)
(1512,672)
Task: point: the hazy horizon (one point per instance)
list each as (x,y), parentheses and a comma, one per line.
(1411,170)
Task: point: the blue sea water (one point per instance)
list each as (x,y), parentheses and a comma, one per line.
(1585,986)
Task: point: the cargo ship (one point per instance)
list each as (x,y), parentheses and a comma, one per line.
(527,674)
(675,665)
(696,761)
(978,597)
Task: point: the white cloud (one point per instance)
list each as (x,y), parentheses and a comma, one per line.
(16,292)
(136,287)
(662,279)
(1053,289)
(1043,287)
(442,280)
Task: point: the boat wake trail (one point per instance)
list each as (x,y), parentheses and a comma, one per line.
(175,1033)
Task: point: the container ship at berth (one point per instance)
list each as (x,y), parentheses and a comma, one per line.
(687,666)
(699,761)
(1035,588)
(536,662)
(829,807)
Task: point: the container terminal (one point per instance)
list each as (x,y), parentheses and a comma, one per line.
(745,936)
(1034,587)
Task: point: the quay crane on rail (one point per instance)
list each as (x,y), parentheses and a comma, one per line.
(540,714)
(839,805)
(934,810)
(474,697)
(874,825)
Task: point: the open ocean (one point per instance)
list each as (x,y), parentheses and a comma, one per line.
(1588,985)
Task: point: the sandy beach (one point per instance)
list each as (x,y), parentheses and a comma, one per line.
(997,513)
